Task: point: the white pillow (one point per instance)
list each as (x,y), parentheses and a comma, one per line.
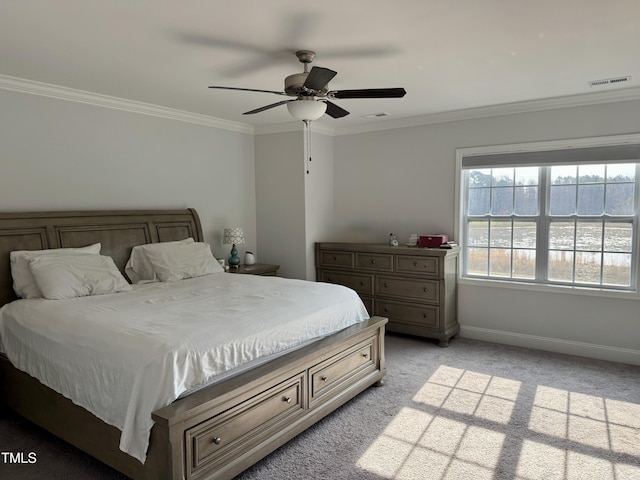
(138,268)
(76,275)
(187,260)
(23,282)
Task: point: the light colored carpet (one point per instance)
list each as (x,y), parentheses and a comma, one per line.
(474,410)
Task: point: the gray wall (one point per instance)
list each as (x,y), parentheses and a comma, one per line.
(280,202)
(294,209)
(63,155)
(318,197)
(402,181)
(60,155)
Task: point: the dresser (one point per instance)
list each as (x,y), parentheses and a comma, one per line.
(415,288)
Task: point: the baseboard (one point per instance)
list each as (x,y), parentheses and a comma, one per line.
(590,350)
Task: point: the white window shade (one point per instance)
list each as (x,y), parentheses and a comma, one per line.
(567,156)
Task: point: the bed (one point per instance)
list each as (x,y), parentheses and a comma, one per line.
(220,429)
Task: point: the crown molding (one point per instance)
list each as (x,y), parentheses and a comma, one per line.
(63,93)
(70,94)
(581,100)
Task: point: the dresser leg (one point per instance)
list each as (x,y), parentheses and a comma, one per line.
(443,343)
(379,383)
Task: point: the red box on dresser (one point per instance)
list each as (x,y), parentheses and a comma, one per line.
(432,241)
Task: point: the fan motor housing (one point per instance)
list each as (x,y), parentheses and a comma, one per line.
(294,85)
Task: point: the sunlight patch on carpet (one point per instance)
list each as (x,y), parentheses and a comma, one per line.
(457,429)
(470,393)
(587,419)
(417,445)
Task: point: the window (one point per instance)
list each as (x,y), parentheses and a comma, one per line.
(563,217)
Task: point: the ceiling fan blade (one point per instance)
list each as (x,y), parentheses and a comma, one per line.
(334,110)
(267,107)
(247,89)
(369,93)
(318,78)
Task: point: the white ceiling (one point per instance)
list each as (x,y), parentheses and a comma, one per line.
(449,55)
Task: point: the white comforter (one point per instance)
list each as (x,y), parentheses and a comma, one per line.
(124,355)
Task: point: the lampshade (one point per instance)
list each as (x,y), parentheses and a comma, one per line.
(307,108)
(233,235)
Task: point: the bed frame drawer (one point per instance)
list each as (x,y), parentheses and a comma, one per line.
(342,370)
(218,439)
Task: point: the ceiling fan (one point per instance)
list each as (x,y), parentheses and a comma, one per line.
(312,97)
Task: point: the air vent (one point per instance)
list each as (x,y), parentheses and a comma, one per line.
(609,81)
(376,115)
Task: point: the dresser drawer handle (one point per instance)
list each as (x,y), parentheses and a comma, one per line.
(335,259)
(217,440)
(323,378)
(415,264)
(385,285)
(386,310)
(287,399)
(424,315)
(425,289)
(373,260)
(365,355)
(329,280)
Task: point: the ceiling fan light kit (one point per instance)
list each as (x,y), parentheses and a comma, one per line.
(307,109)
(312,95)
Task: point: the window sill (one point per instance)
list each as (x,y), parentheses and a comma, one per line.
(557,289)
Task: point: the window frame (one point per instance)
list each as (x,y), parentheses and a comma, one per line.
(543,219)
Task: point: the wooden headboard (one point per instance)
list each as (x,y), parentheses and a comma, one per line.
(117,230)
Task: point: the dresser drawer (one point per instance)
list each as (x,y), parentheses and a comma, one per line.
(330,258)
(418,265)
(361,283)
(426,290)
(374,261)
(409,314)
(218,438)
(342,369)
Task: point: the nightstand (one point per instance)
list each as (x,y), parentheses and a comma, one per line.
(265,269)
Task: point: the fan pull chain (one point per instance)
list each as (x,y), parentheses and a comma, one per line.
(307,124)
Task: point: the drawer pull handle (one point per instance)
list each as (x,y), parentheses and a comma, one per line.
(287,399)
(217,440)
(365,355)
(425,289)
(362,283)
(415,264)
(329,280)
(335,259)
(323,378)
(385,285)
(373,260)
(386,309)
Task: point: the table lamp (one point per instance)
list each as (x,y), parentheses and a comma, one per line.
(233,236)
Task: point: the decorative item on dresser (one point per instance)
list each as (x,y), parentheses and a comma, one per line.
(264,269)
(414,287)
